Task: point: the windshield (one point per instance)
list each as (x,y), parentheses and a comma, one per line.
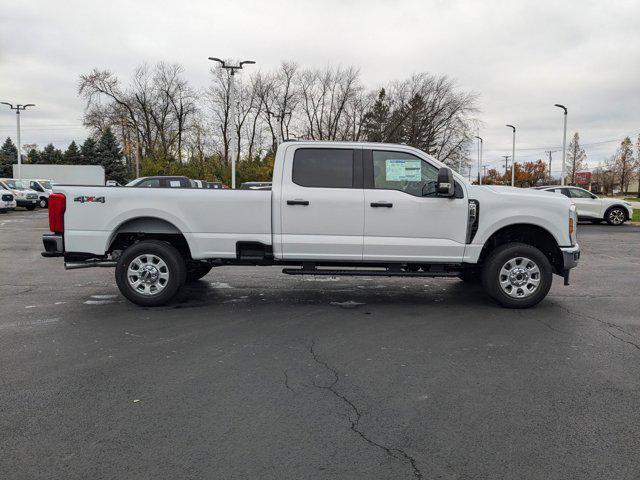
(132,182)
(16,184)
(46,185)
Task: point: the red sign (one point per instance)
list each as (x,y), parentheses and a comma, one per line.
(583,178)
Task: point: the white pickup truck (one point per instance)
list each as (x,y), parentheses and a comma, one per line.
(390,210)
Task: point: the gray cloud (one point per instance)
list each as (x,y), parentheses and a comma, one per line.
(521,57)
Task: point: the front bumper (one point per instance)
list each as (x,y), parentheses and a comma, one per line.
(570,257)
(53,245)
(23,202)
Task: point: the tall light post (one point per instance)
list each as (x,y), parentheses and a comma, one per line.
(480,142)
(18,108)
(232,110)
(513,157)
(564,142)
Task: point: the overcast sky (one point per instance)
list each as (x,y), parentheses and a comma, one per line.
(521,57)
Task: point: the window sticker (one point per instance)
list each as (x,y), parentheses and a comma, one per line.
(174,183)
(403,170)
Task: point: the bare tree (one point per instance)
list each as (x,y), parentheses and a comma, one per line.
(625,164)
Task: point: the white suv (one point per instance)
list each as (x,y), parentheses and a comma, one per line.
(593,208)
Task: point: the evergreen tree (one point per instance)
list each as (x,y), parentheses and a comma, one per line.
(50,155)
(375,121)
(89,152)
(576,158)
(8,156)
(33,156)
(110,156)
(72,155)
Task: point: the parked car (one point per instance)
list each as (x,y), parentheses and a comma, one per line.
(391,210)
(43,188)
(215,185)
(255,186)
(7,200)
(593,208)
(161,182)
(112,183)
(24,196)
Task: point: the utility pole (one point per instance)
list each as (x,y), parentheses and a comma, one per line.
(506,162)
(232,111)
(484,171)
(480,141)
(550,153)
(564,142)
(18,108)
(513,157)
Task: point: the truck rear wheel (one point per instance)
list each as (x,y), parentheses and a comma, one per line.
(150,273)
(517,275)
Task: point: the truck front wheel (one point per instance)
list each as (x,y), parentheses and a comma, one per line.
(150,273)
(517,275)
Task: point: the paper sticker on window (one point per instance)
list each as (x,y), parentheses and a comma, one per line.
(174,183)
(403,170)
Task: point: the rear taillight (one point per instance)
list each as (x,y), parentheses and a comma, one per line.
(57,207)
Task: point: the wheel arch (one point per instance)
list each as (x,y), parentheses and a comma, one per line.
(140,228)
(530,234)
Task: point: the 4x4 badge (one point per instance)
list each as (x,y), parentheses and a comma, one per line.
(89,199)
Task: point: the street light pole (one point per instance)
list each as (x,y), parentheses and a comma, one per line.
(513,157)
(18,108)
(564,142)
(232,111)
(480,142)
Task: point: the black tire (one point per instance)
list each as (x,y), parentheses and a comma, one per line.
(616,216)
(43,203)
(31,208)
(472,276)
(3,211)
(497,259)
(197,271)
(173,263)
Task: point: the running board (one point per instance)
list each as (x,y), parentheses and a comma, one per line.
(368,273)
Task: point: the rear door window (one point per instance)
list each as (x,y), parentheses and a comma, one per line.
(323,167)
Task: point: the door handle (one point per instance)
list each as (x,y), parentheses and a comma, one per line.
(381,204)
(298,202)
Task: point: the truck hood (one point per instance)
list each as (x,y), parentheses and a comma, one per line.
(514,191)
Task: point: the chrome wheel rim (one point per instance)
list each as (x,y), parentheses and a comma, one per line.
(616,216)
(148,274)
(43,203)
(519,277)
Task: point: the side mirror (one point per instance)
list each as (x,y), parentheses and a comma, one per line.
(446,185)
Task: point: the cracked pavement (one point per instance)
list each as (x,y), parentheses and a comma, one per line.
(253,374)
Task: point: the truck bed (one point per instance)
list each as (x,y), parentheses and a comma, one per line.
(212,221)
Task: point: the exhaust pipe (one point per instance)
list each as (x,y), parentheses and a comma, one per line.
(89,264)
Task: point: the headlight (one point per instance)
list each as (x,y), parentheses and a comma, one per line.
(573,224)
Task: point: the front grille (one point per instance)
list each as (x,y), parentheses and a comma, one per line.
(7,197)
(32,196)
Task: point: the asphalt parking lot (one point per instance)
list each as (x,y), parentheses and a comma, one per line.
(254,374)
